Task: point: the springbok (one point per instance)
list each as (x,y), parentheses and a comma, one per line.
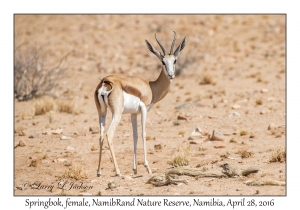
(133,95)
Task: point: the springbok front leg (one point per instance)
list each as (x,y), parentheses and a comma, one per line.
(144,116)
(135,139)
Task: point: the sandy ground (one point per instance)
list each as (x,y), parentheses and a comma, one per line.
(241,56)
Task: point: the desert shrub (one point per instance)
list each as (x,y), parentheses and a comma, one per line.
(32,76)
(182,158)
(75,172)
(278,155)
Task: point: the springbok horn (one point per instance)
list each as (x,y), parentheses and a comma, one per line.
(171,51)
(163,49)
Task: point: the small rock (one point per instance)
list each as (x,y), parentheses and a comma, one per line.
(251,136)
(33,163)
(102,192)
(271,99)
(36,135)
(47,133)
(85,194)
(61,160)
(219,147)
(46,161)
(176,122)
(234,114)
(67,163)
(197,132)
(157,146)
(217,136)
(182,118)
(193,142)
(236,106)
(22,133)
(94,130)
(127,178)
(65,137)
(57,131)
(190,138)
(112,185)
(272,126)
(264,90)
(22,143)
(70,149)
(265,111)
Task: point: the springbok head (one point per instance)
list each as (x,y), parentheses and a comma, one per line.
(168,60)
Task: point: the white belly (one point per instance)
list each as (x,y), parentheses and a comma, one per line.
(131,103)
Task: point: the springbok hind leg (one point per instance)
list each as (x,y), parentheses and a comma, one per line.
(102,117)
(110,134)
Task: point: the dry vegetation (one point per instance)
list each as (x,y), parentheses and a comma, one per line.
(230,78)
(182,158)
(75,172)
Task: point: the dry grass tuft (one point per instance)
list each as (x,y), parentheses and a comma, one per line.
(259,101)
(206,79)
(43,105)
(243,132)
(94,148)
(74,172)
(47,104)
(182,158)
(232,140)
(181,132)
(278,155)
(245,153)
(67,107)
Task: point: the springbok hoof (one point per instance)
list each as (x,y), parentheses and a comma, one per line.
(148,169)
(98,174)
(135,171)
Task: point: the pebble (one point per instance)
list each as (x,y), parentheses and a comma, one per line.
(219,147)
(190,138)
(34,135)
(102,192)
(94,130)
(217,136)
(157,146)
(61,160)
(22,133)
(65,137)
(85,194)
(196,132)
(272,126)
(57,131)
(182,118)
(234,114)
(127,178)
(112,185)
(69,148)
(264,90)
(236,106)
(176,122)
(265,111)
(22,143)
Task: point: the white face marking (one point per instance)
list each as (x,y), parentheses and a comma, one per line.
(131,103)
(169,64)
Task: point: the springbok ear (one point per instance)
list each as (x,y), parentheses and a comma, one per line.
(180,47)
(153,50)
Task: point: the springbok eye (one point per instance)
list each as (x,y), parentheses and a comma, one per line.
(175,61)
(163,63)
